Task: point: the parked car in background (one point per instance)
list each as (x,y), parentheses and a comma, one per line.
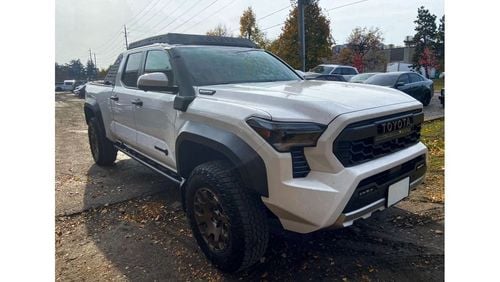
(329,77)
(346,71)
(409,82)
(59,86)
(80,91)
(360,78)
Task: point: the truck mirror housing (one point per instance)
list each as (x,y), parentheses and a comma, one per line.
(155,81)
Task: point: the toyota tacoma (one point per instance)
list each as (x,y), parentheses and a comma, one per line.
(249,141)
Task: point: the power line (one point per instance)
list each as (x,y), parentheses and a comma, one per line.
(199,12)
(173,12)
(188,9)
(136,17)
(345,5)
(153,15)
(222,8)
(268,15)
(334,8)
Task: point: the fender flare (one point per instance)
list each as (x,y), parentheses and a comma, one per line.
(246,161)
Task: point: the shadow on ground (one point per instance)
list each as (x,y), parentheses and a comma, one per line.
(149,239)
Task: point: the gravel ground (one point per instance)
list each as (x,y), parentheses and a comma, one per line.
(126,223)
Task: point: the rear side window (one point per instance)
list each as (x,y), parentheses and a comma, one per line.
(113,70)
(131,70)
(404,78)
(348,71)
(415,77)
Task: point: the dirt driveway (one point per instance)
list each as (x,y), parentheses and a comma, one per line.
(125,223)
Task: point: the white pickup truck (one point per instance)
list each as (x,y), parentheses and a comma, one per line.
(248,140)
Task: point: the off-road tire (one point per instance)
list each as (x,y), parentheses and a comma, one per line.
(248,227)
(102,149)
(427,99)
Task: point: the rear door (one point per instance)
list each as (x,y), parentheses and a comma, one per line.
(155,119)
(122,101)
(417,86)
(406,87)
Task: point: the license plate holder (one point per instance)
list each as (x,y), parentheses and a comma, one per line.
(398,191)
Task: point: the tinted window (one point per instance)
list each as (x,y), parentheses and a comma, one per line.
(225,65)
(383,79)
(415,77)
(322,69)
(159,61)
(337,71)
(348,71)
(131,72)
(404,78)
(361,77)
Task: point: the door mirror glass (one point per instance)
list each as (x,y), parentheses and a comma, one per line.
(155,81)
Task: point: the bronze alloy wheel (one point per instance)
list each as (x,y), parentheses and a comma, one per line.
(211,219)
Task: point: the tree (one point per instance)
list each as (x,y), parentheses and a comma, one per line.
(440,43)
(76,70)
(424,38)
(91,70)
(220,30)
(318,37)
(363,41)
(428,59)
(250,30)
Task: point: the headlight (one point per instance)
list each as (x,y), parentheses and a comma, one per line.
(284,136)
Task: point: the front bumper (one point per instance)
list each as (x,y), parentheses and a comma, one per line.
(319,200)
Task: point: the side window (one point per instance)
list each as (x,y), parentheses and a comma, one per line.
(159,61)
(131,71)
(404,78)
(337,71)
(415,77)
(348,71)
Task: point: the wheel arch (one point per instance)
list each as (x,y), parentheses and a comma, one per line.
(199,143)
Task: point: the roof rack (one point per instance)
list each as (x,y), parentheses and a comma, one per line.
(193,39)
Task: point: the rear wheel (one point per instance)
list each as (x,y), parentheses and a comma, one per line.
(427,98)
(228,221)
(103,151)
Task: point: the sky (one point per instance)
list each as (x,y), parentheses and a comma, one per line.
(98,25)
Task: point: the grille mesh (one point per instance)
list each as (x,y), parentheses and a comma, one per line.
(357,143)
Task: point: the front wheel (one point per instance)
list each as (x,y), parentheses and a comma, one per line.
(228,221)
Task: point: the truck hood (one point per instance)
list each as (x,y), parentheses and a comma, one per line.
(308,100)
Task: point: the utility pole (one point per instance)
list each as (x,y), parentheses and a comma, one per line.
(90,56)
(125,32)
(95,67)
(302,37)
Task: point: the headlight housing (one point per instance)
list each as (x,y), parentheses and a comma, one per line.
(284,136)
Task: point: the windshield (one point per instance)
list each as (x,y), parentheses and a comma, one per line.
(322,69)
(383,79)
(226,65)
(361,77)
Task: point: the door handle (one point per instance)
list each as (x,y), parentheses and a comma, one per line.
(114,98)
(137,102)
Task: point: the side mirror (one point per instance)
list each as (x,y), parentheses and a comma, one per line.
(399,84)
(155,81)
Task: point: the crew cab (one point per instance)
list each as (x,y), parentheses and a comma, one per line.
(249,141)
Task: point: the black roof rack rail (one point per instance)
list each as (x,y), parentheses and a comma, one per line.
(194,39)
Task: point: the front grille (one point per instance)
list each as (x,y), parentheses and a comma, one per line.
(359,143)
(375,187)
(300,167)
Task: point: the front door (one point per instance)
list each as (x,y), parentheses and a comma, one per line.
(155,119)
(122,101)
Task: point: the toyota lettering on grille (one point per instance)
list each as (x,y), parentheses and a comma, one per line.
(394,128)
(394,125)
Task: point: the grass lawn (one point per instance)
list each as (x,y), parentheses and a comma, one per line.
(438,84)
(433,138)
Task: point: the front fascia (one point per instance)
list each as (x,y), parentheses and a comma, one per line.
(317,200)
